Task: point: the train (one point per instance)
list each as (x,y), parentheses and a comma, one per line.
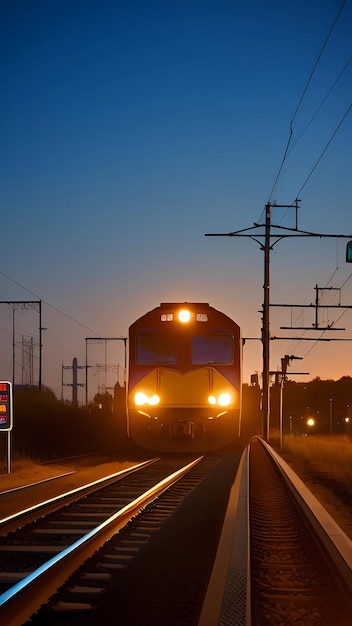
(184,379)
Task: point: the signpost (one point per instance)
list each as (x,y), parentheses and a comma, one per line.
(6,416)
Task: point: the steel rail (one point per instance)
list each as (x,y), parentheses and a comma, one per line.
(72,494)
(228,597)
(25,597)
(334,540)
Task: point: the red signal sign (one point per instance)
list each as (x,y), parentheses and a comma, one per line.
(6,417)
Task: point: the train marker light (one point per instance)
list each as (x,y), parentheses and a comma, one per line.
(184,316)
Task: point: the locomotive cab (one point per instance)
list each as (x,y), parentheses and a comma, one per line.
(184,384)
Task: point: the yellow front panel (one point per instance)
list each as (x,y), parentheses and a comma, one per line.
(183,390)
(191,389)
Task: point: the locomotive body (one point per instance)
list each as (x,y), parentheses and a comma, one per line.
(184,379)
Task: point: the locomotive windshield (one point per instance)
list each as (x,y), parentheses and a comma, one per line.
(153,348)
(208,349)
(156,349)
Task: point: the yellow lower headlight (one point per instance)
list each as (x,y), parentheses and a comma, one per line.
(154,400)
(224,399)
(141,398)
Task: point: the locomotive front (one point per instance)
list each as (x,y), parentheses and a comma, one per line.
(184,383)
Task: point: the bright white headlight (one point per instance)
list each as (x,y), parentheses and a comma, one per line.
(154,400)
(184,316)
(141,398)
(224,399)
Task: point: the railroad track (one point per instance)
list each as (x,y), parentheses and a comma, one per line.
(276,561)
(284,560)
(39,557)
(292,573)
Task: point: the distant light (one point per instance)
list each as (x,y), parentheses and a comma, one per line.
(310,421)
(184,316)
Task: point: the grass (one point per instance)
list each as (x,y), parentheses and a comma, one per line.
(327,457)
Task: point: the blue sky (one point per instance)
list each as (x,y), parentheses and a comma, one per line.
(131,129)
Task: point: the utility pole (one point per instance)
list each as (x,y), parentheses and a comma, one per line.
(104,340)
(285,361)
(266,326)
(281,232)
(74,367)
(24,305)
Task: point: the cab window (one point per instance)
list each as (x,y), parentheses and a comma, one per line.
(152,348)
(208,349)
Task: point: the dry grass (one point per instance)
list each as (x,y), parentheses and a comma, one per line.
(26,471)
(329,457)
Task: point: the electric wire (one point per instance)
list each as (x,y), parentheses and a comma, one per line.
(48,340)
(301,100)
(50,305)
(320,106)
(318,59)
(323,152)
(316,342)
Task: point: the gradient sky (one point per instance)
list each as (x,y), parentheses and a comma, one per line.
(129,129)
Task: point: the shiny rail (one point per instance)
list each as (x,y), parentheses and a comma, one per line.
(23,598)
(281,557)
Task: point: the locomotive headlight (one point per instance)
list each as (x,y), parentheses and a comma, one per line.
(223,399)
(184,316)
(154,400)
(141,398)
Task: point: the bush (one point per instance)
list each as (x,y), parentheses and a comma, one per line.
(46,428)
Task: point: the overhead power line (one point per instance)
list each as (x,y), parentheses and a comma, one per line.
(317,61)
(320,105)
(301,100)
(49,305)
(323,152)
